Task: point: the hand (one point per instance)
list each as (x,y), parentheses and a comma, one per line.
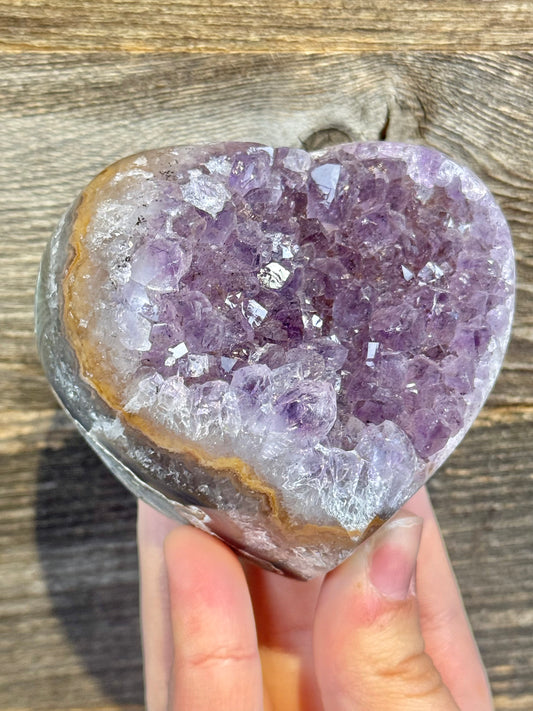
(220,636)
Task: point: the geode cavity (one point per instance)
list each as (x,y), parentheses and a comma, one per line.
(279,347)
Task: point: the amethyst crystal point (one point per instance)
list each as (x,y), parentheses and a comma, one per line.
(279,347)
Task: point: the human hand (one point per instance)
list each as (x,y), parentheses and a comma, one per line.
(222,636)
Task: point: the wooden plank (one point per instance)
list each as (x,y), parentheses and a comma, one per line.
(483,501)
(94,109)
(264,26)
(68,588)
(69,636)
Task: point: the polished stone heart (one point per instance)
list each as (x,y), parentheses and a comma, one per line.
(279,347)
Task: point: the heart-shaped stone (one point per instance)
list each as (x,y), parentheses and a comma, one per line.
(279,347)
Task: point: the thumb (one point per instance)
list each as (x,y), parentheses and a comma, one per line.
(368,645)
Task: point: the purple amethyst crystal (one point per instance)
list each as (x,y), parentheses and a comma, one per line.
(279,347)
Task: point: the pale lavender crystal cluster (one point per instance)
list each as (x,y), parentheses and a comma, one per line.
(333,319)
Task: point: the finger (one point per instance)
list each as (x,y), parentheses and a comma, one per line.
(152,529)
(445,627)
(216,658)
(369,650)
(284,613)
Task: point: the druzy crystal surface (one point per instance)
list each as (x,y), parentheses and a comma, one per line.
(279,347)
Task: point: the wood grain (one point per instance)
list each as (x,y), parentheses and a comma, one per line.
(69,635)
(265,26)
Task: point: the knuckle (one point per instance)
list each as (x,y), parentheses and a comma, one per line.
(223,655)
(416,673)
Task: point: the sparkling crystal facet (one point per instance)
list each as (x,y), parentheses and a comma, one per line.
(277,346)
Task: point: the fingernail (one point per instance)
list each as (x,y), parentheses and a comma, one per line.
(393,560)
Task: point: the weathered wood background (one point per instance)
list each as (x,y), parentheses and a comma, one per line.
(84,83)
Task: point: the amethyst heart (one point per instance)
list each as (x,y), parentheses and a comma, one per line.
(279,347)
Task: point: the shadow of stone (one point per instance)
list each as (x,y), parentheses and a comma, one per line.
(85,534)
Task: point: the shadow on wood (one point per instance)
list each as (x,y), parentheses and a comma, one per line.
(86,539)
